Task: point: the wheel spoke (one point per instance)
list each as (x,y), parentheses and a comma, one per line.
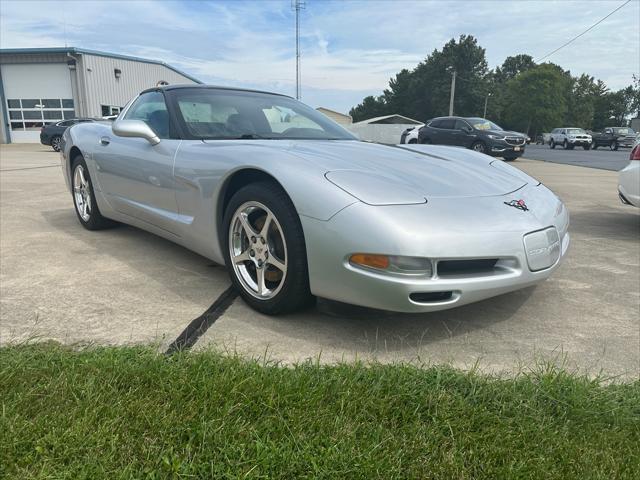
(87,202)
(260,278)
(248,229)
(82,179)
(275,262)
(267,224)
(242,257)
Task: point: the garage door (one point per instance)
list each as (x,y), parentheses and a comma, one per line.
(36,95)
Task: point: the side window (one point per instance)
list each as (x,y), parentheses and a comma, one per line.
(436,124)
(448,123)
(151,109)
(461,125)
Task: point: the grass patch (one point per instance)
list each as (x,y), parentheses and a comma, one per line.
(132,413)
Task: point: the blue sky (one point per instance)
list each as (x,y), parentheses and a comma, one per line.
(350,48)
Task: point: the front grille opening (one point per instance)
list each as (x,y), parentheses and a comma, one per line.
(430,297)
(466,267)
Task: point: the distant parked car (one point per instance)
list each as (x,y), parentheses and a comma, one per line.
(614,138)
(410,135)
(569,138)
(629,178)
(52,134)
(475,133)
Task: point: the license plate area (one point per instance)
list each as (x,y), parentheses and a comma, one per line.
(542,248)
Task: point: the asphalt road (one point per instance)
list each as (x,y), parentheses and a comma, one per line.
(61,282)
(601,158)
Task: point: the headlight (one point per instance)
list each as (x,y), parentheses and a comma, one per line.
(393,263)
(496,137)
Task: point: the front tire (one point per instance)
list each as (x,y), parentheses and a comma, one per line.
(587,147)
(265,250)
(552,144)
(614,146)
(565,145)
(509,159)
(479,147)
(84,198)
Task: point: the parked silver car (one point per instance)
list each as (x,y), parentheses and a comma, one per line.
(295,206)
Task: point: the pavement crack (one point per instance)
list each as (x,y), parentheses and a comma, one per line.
(200,325)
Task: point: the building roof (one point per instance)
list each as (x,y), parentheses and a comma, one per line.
(334,111)
(81,51)
(390,119)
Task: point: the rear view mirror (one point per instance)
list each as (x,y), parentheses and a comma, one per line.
(135,128)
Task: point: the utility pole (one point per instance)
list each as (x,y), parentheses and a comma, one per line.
(453,92)
(486,99)
(298,5)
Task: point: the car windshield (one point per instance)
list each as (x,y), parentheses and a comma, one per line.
(483,124)
(217,114)
(624,131)
(574,131)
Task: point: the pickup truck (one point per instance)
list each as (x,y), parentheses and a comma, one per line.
(613,137)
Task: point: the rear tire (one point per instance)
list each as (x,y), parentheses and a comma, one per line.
(594,145)
(265,287)
(84,198)
(55,142)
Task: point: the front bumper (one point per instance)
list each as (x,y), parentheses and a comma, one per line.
(501,148)
(579,141)
(428,231)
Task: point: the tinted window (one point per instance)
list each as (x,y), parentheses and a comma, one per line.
(483,124)
(231,114)
(436,123)
(461,125)
(30,103)
(151,109)
(448,123)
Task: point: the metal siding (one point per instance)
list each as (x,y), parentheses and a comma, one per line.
(104,89)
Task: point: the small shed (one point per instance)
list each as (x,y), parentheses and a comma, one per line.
(386,129)
(340,118)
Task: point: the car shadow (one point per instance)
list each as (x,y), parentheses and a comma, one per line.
(613,223)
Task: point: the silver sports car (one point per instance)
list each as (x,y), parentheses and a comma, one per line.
(296,207)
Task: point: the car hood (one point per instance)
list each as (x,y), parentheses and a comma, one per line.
(385,175)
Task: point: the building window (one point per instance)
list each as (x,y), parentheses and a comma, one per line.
(109,110)
(37,112)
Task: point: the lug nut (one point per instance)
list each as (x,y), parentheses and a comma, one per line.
(253,239)
(262,240)
(252,253)
(259,263)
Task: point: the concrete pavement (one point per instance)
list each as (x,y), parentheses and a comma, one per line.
(59,281)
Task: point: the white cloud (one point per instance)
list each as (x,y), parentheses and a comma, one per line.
(350,48)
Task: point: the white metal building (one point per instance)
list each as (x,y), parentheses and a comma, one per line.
(387,129)
(45,85)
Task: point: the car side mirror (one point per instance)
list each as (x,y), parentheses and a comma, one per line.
(135,128)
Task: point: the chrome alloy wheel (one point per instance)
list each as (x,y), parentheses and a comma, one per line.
(82,193)
(258,250)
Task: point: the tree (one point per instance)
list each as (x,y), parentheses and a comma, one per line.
(370,107)
(538,97)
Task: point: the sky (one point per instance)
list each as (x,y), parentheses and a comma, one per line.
(350,48)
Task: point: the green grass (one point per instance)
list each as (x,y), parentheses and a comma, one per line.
(132,413)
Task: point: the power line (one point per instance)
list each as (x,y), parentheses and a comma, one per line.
(578,36)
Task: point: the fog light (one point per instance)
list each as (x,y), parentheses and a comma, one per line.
(393,263)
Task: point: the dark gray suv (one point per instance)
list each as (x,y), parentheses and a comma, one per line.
(478,134)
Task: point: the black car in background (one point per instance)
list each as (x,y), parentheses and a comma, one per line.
(51,134)
(478,134)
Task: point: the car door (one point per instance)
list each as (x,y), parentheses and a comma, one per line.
(136,176)
(462,134)
(443,131)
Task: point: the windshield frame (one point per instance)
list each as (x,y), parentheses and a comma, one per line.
(332,130)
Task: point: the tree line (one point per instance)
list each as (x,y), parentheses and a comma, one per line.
(520,94)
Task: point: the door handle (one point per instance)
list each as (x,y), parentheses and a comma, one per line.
(105,140)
